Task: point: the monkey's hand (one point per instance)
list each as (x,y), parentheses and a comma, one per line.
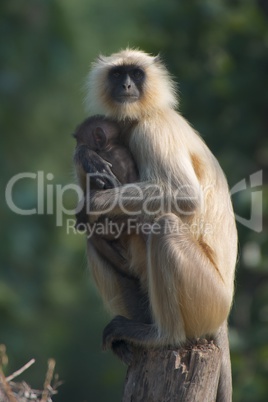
(98,169)
(113,202)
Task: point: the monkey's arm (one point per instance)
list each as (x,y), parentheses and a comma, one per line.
(144,198)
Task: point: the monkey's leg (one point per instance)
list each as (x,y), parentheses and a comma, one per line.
(112,288)
(122,295)
(110,253)
(187,289)
(115,282)
(137,304)
(106,280)
(188,296)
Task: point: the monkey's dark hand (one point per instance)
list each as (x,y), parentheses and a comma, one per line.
(98,169)
(113,338)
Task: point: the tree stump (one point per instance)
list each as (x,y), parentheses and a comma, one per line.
(189,374)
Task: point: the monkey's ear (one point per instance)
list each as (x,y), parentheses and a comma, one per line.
(99,137)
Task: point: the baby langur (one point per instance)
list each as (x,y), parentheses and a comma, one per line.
(100,154)
(186,267)
(101,162)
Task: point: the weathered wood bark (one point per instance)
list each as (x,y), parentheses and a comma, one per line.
(189,374)
(3,396)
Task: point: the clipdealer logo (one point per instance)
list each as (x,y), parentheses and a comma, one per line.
(254,192)
(50,198)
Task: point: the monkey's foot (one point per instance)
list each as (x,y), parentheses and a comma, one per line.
(123,350)
(113,338)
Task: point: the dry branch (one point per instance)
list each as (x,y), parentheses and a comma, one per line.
(21,392)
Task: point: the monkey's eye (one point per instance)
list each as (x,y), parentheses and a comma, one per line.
(137,74)
(116,74)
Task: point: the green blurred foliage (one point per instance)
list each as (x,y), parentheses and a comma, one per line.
(218,52)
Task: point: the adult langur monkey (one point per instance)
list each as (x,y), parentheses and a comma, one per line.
(185,268)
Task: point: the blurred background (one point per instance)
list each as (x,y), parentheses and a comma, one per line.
(218,52)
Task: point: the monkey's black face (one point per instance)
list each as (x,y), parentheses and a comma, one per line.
(126,83)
